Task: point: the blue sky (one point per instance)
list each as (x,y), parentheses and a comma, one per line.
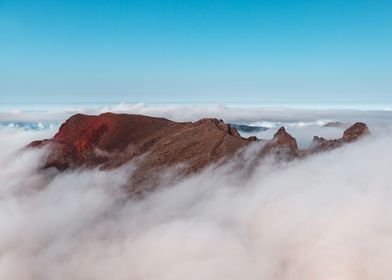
(258,52)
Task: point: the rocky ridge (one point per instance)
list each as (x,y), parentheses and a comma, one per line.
(111,140)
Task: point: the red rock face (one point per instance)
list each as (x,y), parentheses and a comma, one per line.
(110,140)
(81,138)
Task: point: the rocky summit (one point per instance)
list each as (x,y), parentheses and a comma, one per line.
(111,140)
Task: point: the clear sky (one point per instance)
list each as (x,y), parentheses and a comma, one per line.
(325,51)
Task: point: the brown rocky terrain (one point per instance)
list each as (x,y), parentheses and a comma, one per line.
(351,134)
(110,140)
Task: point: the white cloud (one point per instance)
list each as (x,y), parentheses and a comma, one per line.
(326,217)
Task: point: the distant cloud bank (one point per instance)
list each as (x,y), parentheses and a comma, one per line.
(245,114)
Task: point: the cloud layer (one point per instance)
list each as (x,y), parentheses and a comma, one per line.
(192,112)
(327,217)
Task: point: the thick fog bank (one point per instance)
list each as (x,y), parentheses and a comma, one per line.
(327,217)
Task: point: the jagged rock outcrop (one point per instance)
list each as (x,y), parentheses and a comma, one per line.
(110,140)
(351,134)
(282,146)
(322,144)
(355,131)
(283,139)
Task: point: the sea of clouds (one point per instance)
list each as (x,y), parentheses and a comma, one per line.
(326,217)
